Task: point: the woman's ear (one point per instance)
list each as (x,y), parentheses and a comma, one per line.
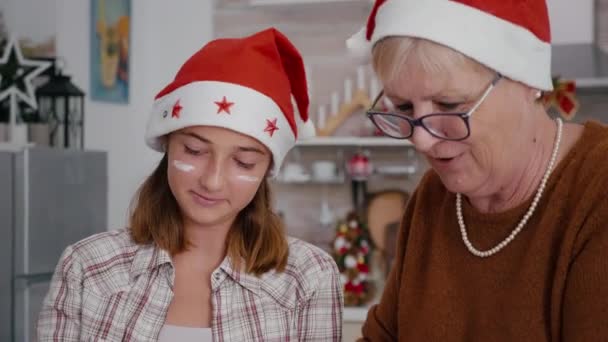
(535,94)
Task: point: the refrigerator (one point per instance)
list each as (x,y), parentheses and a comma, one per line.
(49,198)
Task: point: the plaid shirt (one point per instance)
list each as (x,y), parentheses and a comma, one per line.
(107,288)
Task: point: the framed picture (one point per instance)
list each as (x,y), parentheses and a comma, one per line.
(110,50)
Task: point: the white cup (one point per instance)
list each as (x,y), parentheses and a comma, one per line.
(324,170)
(293,171)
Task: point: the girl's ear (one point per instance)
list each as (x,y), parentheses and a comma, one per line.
(164,141)
(268,173)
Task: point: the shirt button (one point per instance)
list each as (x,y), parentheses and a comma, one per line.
(216,276)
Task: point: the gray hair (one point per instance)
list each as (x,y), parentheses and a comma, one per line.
(391,54)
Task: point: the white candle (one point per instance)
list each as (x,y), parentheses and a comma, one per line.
(308,72)
(335,103)
(321,117)
(374,88)
(348,90)
(360,78)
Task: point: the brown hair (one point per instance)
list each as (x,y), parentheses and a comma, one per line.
(256,237)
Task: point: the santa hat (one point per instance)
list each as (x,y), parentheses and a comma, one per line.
(254,85)
(509,36)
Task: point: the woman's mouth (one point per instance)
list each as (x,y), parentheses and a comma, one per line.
(444,162)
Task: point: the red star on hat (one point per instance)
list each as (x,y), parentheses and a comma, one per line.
(271,126)
(223,106)
(261,89)
(177,108)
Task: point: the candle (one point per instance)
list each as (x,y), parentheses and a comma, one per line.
(360,78)
(308,72)
(374,88)
(348,90)
(321,117)
(335,103)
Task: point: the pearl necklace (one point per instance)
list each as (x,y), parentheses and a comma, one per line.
(524,220)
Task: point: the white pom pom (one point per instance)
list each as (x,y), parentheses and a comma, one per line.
(350,261)
(343,279)
(359,48)
(339,243)
(362,276)
(306,130)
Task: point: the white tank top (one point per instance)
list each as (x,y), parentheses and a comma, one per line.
(172,333)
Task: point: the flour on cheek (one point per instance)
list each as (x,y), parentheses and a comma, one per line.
(185,167)
(246,178)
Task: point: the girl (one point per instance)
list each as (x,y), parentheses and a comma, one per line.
(205,258)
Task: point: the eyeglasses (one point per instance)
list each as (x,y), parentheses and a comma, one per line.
(445,126)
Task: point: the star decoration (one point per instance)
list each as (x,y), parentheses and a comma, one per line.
(223,106)
(17,74)
(271,126)
(177,108)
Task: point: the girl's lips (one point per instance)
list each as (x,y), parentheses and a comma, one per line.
(204,200)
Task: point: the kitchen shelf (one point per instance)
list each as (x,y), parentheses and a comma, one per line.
(13,147)
(335,181)
(354,141)
(343,180)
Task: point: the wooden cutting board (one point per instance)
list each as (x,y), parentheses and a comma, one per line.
(384,208)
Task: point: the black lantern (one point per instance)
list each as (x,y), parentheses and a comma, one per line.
(61,104)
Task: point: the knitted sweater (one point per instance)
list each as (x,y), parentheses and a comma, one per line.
(549,284)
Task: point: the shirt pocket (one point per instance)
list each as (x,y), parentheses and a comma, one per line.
(100,320)
(279,320)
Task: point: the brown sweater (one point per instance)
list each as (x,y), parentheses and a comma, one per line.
(549,284)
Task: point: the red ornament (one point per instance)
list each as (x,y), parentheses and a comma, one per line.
(224,105)
(359,167)
(358,289)
(363,268)
(562,98)
(177,108)
(349,287)
(271,126)
(355,287)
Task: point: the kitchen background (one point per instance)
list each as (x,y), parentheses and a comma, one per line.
(314,191)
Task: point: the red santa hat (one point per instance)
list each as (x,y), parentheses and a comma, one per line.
(254,85)
(510,36)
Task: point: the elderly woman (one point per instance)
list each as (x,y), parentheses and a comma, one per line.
(506,237)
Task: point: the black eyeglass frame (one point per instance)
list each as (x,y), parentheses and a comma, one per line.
(372,114)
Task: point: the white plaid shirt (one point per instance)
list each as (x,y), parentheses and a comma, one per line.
(107,288)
